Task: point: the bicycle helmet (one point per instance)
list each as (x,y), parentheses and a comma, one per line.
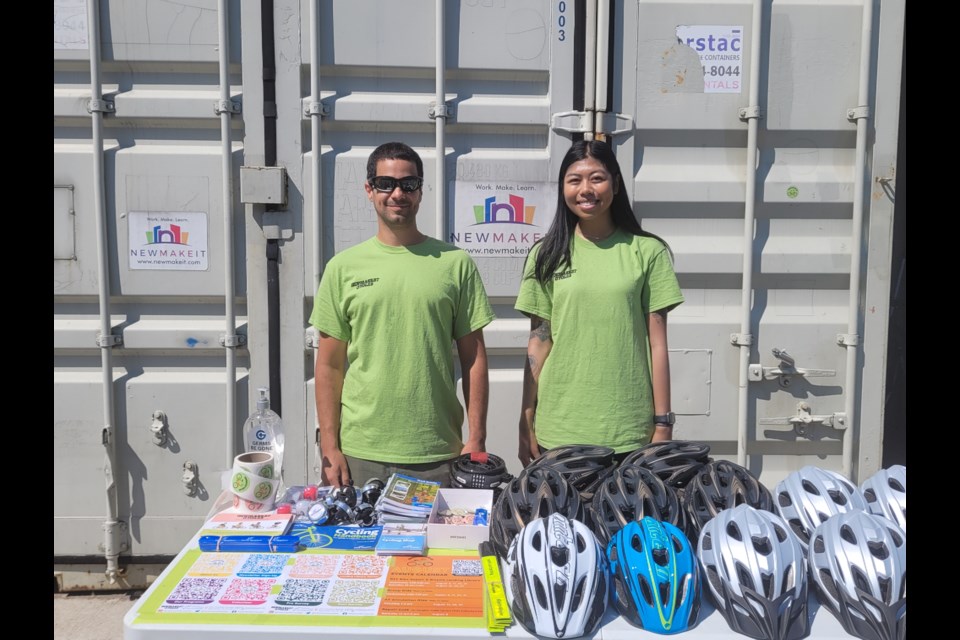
(535,493)
(674,461)
(579,464)
(755,573)
(656,581)
(480,470)
(886,494)
(858,562)
(630,494)
(721,485)
(556,582)
(810,495)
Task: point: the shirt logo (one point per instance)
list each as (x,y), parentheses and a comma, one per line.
(359,284)
(565,274)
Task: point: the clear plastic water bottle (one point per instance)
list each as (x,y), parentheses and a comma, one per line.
(263,431)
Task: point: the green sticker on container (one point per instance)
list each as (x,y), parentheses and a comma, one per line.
(240,482)
(792,192)
(267,472)
(262,491)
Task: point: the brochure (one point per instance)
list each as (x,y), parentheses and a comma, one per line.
(406,495)
(347,538)
(402,539)
(229,522)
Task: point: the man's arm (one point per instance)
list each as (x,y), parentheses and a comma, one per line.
(660,372)
(476,389)
(328,383)
(538,348)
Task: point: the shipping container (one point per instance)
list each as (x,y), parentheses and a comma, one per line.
(209,160)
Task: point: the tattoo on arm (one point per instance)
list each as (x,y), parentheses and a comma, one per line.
(542,331)
(532,362)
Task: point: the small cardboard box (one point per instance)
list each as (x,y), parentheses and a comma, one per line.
(453,536)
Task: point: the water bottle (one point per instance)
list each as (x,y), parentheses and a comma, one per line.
(263,431)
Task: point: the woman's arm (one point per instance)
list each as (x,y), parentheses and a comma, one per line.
(660,372)
(538,348)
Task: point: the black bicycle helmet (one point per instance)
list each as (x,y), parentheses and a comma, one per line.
(536,493)
(480,470)
(674,461)
(630,494)
(722,485)
(581,465)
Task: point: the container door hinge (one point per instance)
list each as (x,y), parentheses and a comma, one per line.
(848,339)
(158,427)
(101,106)
(804,418)
(310,339)
(785,372)
(226,106)
(612,124)
(109,340)
(236,340)
(750,113)
(572,121)
(440,111)
(117,530)
(190,478)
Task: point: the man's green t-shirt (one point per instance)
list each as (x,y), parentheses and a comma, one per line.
(595,385)
(399,309)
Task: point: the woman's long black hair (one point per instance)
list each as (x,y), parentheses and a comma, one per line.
(555,244)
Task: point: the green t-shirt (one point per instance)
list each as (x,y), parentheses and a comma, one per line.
(399,309)
(595,385)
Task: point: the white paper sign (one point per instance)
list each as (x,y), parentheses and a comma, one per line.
(168,241)
(69,24)
(721,54)
(501,219)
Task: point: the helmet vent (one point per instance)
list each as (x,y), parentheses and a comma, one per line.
(826,581)
(581,543)
(559,556)
(645,590)
(870,495)
(798,529)
(897,538)
(823,516)
(665,593)
(762,545)
(661,557)
(809,487)
(681,590)
(884,583)
(896,485)
(636,543)
(837,496)
(860,579)
(744,577)
(847,534)
(715,582)
(539,592)
(706,542)
(766,582)
(788,579)
(783,498)
(818,546)
(781,532)
(537,541)
(577,594)
(878,550)
(734,532)
(677,544)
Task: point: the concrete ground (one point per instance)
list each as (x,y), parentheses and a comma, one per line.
(91,617)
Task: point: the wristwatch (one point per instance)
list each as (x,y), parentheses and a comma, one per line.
(668,419)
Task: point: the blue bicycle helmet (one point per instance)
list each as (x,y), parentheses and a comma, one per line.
(656,579)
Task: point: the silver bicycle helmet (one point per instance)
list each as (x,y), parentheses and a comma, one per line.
(858,562)
(535,493)
(756,573)
(886,494)
(810,495)
(556,578)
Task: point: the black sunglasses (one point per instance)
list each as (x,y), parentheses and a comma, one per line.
(387,184)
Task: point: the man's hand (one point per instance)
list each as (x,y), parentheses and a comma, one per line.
(473,446)
(335,470)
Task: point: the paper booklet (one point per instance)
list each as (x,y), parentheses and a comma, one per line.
(229,522)
(402,539)
(406,495)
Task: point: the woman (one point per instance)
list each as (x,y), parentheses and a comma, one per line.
(597,289)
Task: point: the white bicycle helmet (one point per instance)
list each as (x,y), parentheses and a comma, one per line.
(556,578)
(756,573)
(810,495)
(886,494)
(858,562)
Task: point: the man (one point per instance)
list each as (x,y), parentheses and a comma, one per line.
(391,307)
